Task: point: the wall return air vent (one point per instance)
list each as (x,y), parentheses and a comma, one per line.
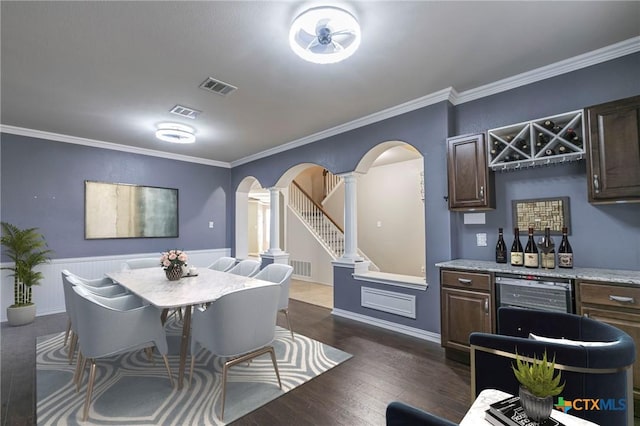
(217,86)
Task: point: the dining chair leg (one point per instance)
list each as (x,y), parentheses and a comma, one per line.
(224,388)
(82,363)
(72,347)
(87,401)
(286,315)
(275,364)
(76,374)
(166,364)
(66,334)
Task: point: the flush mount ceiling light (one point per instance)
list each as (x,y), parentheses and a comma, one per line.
(175,133)
(325,35)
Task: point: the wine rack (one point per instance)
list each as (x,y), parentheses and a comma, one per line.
(545,141)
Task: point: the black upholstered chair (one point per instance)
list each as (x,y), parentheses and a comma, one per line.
(596,363)
(401,414)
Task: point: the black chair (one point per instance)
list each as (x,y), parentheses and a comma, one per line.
(596,363)
(401,414)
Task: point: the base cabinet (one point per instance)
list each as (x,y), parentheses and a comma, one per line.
(466,306)
(619,306)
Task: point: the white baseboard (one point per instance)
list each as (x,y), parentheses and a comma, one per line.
(404,329)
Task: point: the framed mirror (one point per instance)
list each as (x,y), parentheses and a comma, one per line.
(118,210)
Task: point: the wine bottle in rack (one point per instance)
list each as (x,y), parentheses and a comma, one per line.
(549,152)
(548,124)
(531,252)
(565,252)
(556,129)
(541,141)
(547,251)
(562,149)
(517,254)
(570,134)
(501,248)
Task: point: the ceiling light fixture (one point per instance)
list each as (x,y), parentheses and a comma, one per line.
(175,133)
(325,35)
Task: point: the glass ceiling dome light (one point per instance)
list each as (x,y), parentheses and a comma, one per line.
(175,133)
(325,35)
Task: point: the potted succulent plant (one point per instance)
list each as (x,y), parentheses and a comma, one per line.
(538,385)
(27,249)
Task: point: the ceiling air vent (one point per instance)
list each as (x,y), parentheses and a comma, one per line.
(186,112)
(217,86)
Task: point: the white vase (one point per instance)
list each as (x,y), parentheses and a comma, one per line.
(21,315)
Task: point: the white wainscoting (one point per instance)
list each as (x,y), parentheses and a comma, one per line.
(49,297)
(388,301)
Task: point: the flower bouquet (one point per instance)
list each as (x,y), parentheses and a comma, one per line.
(174,263)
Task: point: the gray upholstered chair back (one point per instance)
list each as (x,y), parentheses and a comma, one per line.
(145,262)
(223,264)
(237,323)
(105,331)
(281,274)
(246,268)
(97,282)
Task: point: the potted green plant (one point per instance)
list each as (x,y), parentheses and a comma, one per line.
(538,385)
(27,249)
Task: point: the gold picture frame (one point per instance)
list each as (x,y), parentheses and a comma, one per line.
(540,213)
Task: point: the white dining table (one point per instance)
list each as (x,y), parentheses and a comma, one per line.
(208,285)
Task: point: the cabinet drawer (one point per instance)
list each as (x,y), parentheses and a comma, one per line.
(610,295)
(468,280)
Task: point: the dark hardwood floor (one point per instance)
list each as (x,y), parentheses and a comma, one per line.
(386,366)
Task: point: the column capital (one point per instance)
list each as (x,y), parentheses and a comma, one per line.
(349,176)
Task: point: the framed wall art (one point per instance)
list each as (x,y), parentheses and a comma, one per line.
(540,213)
(117,210)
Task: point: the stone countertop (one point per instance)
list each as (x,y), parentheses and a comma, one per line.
(594,274)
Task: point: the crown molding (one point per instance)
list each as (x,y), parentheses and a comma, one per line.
(108,145)
(433,98)
(575,63)
(595,57)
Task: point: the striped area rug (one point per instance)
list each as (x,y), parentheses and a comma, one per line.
(131,390)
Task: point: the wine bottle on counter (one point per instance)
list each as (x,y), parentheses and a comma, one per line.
(531,252)
(501,248)
(565,253)
(517,254)
(548,252)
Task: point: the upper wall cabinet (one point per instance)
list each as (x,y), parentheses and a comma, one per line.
(613,151)
(549,140)
(470,181)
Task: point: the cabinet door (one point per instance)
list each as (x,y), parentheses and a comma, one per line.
(613,149)
(630,324)
(468,175)
(463,312)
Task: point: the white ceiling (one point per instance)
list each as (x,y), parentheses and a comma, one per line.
(110,71)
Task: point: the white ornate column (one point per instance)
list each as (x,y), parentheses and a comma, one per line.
(350,219)
(274,221)
(275,254)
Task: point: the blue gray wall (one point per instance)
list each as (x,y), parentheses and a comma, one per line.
(43,186)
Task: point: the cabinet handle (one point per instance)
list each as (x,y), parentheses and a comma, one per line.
(621,299)
(596,184)
(464,281)
(482,191)
(486,306)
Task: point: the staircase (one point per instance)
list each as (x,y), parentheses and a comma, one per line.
(326,230)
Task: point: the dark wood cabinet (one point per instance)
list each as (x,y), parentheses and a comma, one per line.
(466,306)
(470,181)
(613,151)
(618,305)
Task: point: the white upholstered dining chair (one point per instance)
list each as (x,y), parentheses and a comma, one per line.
(99,327)
(281,274)
(246,268)
(144,262)
(239,326)
(223,264)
